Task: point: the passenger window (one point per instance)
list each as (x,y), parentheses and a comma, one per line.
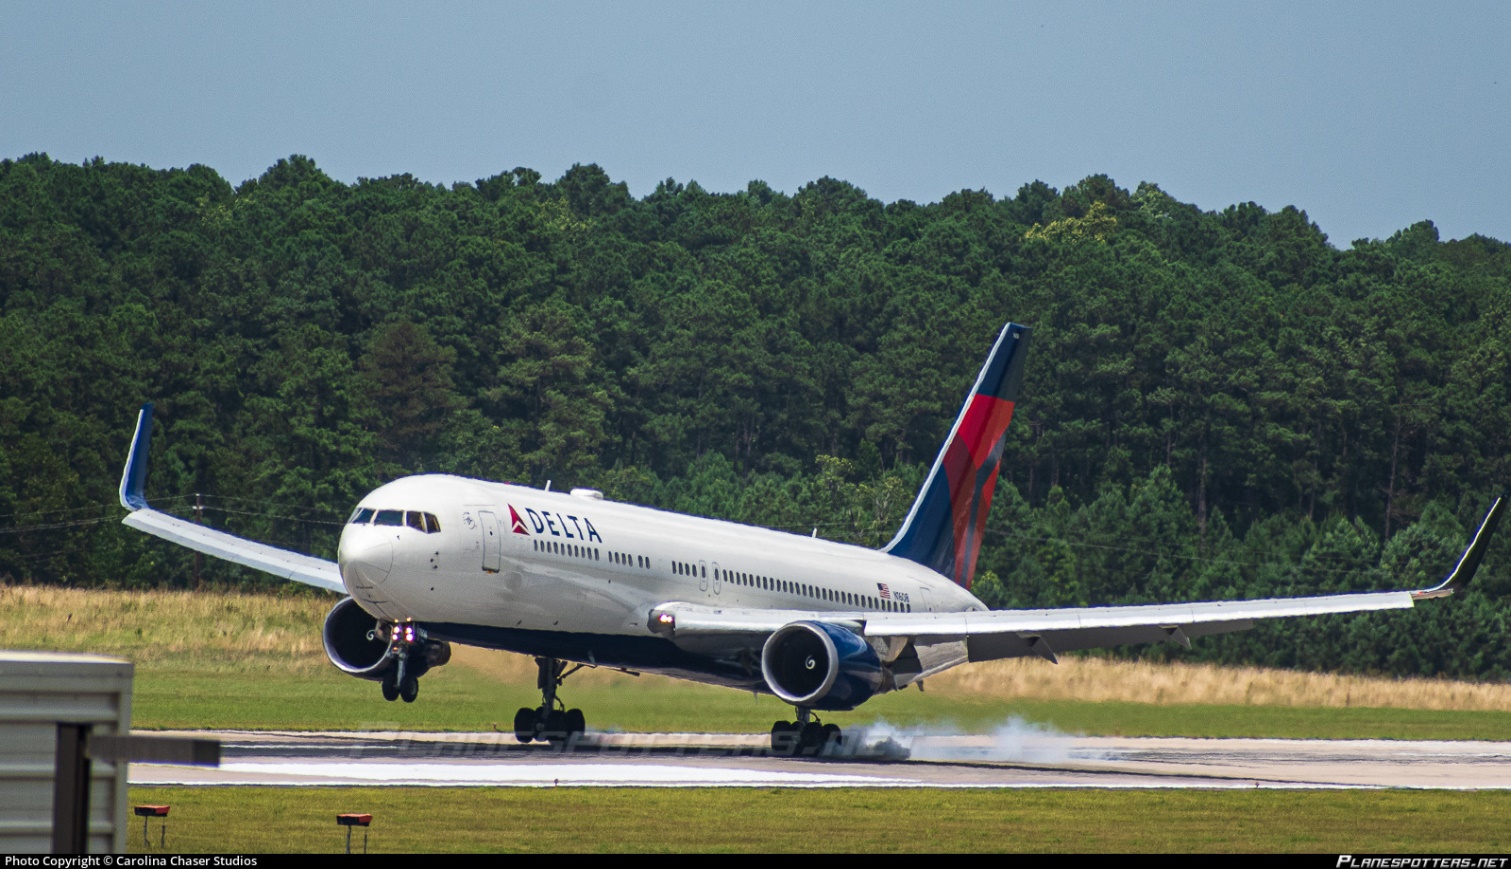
(389,517)
(363,516)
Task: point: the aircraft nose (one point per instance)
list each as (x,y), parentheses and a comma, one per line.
(365,556)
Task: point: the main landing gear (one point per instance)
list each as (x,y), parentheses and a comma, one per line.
(552,721)
(805,737)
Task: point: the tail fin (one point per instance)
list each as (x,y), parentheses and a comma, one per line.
(943,530)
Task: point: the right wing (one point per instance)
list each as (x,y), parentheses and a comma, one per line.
(270,559)
(984,636)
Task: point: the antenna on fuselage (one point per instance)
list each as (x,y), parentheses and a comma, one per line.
(548,485)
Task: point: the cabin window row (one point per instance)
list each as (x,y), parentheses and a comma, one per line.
(425,522)
(625,559)
(767,583)
(683,568)
(571,550)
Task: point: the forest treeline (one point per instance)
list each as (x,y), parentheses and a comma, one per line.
(1217,404)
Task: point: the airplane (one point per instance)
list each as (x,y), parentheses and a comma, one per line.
(575,579)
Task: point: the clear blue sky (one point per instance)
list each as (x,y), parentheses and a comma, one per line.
(1370,116)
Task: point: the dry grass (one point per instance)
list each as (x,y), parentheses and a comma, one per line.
(211,630)
(1096,680)
(205,629)
(1099,680)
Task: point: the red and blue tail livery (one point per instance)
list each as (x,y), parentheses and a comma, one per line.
(943,530)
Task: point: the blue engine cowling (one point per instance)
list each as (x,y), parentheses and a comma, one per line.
(820,666)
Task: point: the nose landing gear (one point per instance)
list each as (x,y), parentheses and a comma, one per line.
(805,737)
(552,721)
(413,656)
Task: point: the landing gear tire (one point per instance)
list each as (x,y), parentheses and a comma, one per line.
(811,739)
(577,723)
(833,739)
(555,727)
(409,689)
(390,690)
(784,738)
(524,725)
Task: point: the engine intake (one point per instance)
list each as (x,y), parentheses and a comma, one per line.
(820,666)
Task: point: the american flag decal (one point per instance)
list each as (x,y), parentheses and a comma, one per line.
(886,593)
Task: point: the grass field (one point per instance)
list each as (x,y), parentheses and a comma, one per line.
(255,661)
(635,820)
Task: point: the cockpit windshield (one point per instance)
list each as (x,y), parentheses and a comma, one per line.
(420,521)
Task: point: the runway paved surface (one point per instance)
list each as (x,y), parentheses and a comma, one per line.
(880,758)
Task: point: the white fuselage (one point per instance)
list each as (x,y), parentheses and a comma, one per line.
(521,559)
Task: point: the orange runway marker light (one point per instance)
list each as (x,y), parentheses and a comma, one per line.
(350,820)
(147,813)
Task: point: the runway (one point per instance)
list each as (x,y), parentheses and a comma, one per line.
(878,757)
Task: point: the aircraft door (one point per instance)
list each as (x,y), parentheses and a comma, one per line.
(717,577)
(928,599)
(492,545)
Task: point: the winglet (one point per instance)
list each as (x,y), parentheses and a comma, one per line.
(1469,562)
(134,477)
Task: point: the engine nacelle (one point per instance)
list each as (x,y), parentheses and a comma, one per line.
(820,666)
(360,646)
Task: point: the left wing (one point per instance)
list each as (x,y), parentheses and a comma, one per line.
(270,559)
(1014,633)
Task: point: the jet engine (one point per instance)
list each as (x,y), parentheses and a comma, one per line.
(820,666)
(363,647)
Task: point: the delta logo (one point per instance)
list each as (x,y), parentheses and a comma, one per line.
(555,524)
